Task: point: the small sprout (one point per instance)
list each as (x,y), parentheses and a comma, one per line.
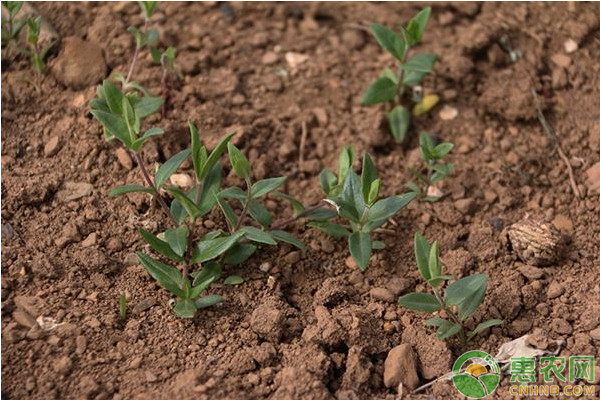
(356,201)
(391,86)
(464,295)
(123,307)
(35,52)
(11,26)
(436,171)
(148,8)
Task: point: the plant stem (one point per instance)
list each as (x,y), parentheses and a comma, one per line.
(308,210)
(451,314)
(150,182)
(136,53)
(165,92)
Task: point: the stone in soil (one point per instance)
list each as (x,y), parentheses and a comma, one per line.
(74,191)
(52,146)
(382,294)
(124,158)
(401,367)
(80,64)
(267,321)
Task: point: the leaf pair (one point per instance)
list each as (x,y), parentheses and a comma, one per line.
(172,279)
(121,114)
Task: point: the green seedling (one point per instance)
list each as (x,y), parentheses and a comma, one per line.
(144,37)
(435,170)
(10,25)
(36,53)
(123,307)
(461,298)
(356,200)
(166,60)
(392,86)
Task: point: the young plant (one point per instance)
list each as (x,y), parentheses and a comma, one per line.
(436,171)
(143,37)
(10,25)
(391,86)
(166,60)
(36,53)
(461,298)
(356,200)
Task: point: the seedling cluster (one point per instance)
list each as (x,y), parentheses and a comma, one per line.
(11,27)
(392,86)
(186,262)
(460,301)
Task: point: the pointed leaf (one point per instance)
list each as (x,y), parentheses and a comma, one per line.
(296,205)
(368,176)
(345,161)
(160,246)
(168,277)
(257,235)
(177,239)
(190,207)
(210,189)
(389,41)
(259,213)
(399,119)
(147,105)
(199,153)
(381,90)
(210,249)
(239,162)
(320,214)
(185,308)
(485,325)
(416,26)
(287,237)
(352,193)
(169,167)
(435,268)
(330,228)
(383,209)
(447,329)
(215,155)
(467,294)
(114,124)
(328,180)
(113,97)
(420,63)
(228,212)
(420,302)
(265,186)
(208,301)
(422,250)
(360,245)
(239,253)
(210,272)
(442,149)
(233,280)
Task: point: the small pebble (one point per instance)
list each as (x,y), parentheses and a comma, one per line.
(52,146)
(448,113)
(382,294)
(571,46)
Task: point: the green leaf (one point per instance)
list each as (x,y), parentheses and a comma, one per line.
(208,301)
(257,235)
(435,321)
(147,105)
(413,78)
(168,277)
(296,205)
(190,207)
(199,154)
(368,175)
(265,186)
(374,191)
(113,96)
(215,155)
(114,124)
(389,41)
(130,117)
(155,131)
(388,73)
(233,280)
(287,237)
(185,308)
(330,228)
(233,192)
(378,245)
(328,180)
(240,163)
(169,167)
(426,147)
(360,245)
(259,213)
(209,249)
(442,149)
(435,282)
(120,190)
(483,326)
(228,212)
(420,302)
(399,119)
(320,214)
(160,246)
(422,250)
(420,63)
(381,90)
(352,193)
(210,272)
(148,7)
(467,294)
(210,189)
(345,161)
(239,253)
(435,268)
(383,209)
(177,239)
(448,329)
(416,26)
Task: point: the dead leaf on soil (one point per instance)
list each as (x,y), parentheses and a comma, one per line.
(521,348)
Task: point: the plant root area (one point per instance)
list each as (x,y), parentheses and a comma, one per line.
(304,324)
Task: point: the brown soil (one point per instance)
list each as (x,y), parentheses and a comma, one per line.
(311,329)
